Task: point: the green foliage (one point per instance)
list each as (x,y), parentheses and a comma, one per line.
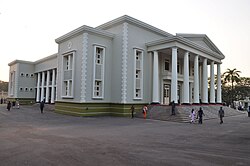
(3,86)
(234,87)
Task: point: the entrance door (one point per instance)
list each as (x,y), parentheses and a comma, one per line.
(166,94)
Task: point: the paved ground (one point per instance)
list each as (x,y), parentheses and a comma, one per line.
(30,138)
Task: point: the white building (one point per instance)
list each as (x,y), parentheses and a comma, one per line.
(103,70)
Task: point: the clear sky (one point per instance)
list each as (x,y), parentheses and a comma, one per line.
(28,28)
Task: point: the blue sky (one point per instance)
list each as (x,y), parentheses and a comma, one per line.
(28,28)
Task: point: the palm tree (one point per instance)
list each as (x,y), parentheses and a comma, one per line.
(232,76)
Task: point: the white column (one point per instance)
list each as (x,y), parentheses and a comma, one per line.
(205,82)
(191,85)
(196,79)
(42,87)
(155,78)
(47,87)
(218,84)
(212,89)
(186,79)
(38,87)
(174,82)
(53,86)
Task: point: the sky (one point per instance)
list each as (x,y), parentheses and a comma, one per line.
(28,28)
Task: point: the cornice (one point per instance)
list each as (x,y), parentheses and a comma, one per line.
(185,42)
(46,58)
(81,30)
(134,21)
(205,39)
(20,61)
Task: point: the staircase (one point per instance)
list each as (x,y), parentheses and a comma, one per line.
(163,112)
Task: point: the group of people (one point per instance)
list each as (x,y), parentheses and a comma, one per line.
(2,100)
(193,115)
(200,115)
(13,104)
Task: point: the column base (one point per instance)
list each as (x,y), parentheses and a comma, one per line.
(185,104)
(155,103)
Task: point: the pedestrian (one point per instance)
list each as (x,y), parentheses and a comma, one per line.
(8,106)
(144,111)
(41,106)
(248,111)
(200,115)
(13,104)
(17,104)
(132,111)
(1,100)
(221,115)
(192,116)
(173,107)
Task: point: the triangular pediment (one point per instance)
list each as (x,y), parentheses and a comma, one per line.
(202,40)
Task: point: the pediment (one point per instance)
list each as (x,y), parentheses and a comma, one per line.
(202,40)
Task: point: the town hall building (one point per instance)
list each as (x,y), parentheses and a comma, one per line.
(106,69)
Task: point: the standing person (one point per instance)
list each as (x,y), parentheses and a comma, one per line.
(41,106)
(144,111)
(173,107)
(17,104)
(221,115)
(200,114)
(192,116)
(8,106)
(132,111)
(248,111)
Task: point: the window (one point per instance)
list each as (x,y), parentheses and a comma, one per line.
(137,93)
(138,73)
(68,61)
(27,75)
(22,74)
(26,89)
(31,89)
(21,89)
(99,53)
(32,75)
(97,88)
(98,75)
(68,88)
(166,65)
(68,75)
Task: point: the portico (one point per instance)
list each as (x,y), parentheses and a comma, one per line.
(180,72)
(46,86)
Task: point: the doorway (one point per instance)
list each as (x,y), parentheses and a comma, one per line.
(166,94)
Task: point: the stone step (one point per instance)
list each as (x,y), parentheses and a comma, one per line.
(163,112)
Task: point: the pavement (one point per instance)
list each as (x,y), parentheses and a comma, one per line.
(29,138)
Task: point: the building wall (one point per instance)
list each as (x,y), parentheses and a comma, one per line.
(46,64)
(71,44)
(26,80)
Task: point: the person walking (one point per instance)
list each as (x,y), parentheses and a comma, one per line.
(41,106)
(200,115)
(248,111)
(173,107)
(192,116)
(132,111)
(221,115)
(17,104)
(8,106)
(144,111)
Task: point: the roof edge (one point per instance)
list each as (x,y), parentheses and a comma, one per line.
(81,30)
(126,18)
(202,36)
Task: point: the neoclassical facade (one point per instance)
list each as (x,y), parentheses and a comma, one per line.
(103,70)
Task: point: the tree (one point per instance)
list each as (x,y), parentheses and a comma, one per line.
(231,77)
(3,86)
